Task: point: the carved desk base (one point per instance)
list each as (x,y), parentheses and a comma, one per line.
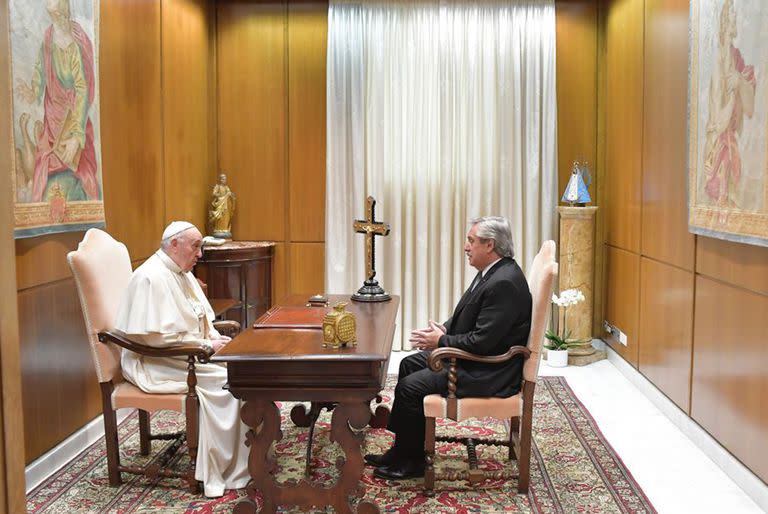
(266,365)
(347,424)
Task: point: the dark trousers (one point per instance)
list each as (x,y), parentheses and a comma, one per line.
(415,381)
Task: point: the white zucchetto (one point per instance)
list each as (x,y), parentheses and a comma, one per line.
(176,227)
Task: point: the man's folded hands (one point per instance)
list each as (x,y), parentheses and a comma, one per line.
(427,338)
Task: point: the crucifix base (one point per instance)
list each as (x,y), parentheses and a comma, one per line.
(371,292)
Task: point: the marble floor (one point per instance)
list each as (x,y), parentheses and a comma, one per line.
(675,474)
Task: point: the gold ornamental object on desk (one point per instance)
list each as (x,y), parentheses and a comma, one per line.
(339,327)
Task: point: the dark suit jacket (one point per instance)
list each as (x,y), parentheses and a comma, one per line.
(495,316)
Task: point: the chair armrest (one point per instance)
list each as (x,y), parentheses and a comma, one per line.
(435,362)
(119,338)
(227,327)
(437,356)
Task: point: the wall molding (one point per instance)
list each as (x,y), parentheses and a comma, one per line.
(52,461)
(742,476)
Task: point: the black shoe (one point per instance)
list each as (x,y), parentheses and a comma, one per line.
(401,470)
(385,459)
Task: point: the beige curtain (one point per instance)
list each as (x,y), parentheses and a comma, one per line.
(442,111)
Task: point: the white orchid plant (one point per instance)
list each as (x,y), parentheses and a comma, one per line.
(563,341)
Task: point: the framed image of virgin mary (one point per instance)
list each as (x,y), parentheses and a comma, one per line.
(728,121)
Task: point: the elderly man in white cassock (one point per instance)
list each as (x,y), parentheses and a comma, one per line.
(165,306)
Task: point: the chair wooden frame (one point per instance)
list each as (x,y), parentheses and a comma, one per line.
(519,442)
(191,411)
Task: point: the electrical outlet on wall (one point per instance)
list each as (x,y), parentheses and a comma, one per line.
(615,332)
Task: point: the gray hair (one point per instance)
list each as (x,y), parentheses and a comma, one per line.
(498,229)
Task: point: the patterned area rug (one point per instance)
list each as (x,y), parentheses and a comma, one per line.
(573,469)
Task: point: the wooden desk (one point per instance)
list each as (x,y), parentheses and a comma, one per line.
(272,364)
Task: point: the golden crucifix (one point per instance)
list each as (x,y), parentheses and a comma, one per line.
(370,291)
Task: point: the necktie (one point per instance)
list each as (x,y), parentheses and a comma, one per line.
(477,280)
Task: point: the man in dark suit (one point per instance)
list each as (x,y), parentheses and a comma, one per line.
(493,315)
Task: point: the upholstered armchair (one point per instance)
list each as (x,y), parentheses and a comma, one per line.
(517,409)
(102,269)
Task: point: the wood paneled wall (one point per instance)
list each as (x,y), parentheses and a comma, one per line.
(623,297)
(271,125)
(621,60)
(624,122)
(189,144)
(576,86)
(577,109)
(12,486)
(730,370)
(158,154)
(691,306)
(664,219)
(665,329)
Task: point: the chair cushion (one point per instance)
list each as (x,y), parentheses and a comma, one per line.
(127,395)
(436,406)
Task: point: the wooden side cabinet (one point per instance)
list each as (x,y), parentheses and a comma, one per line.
(241,270)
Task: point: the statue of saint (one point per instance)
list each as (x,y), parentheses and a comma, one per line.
(222,209)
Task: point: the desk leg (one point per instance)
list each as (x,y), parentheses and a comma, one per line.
(346,417)
(380,415)
(263,417)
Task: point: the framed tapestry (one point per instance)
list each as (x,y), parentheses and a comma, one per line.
(728,120)
(55,74)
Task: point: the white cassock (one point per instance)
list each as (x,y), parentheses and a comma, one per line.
(166,307)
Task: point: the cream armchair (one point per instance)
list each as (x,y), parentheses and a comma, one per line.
(102,269)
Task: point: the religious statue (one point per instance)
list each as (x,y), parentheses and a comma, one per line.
(576,189)
(222,209)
